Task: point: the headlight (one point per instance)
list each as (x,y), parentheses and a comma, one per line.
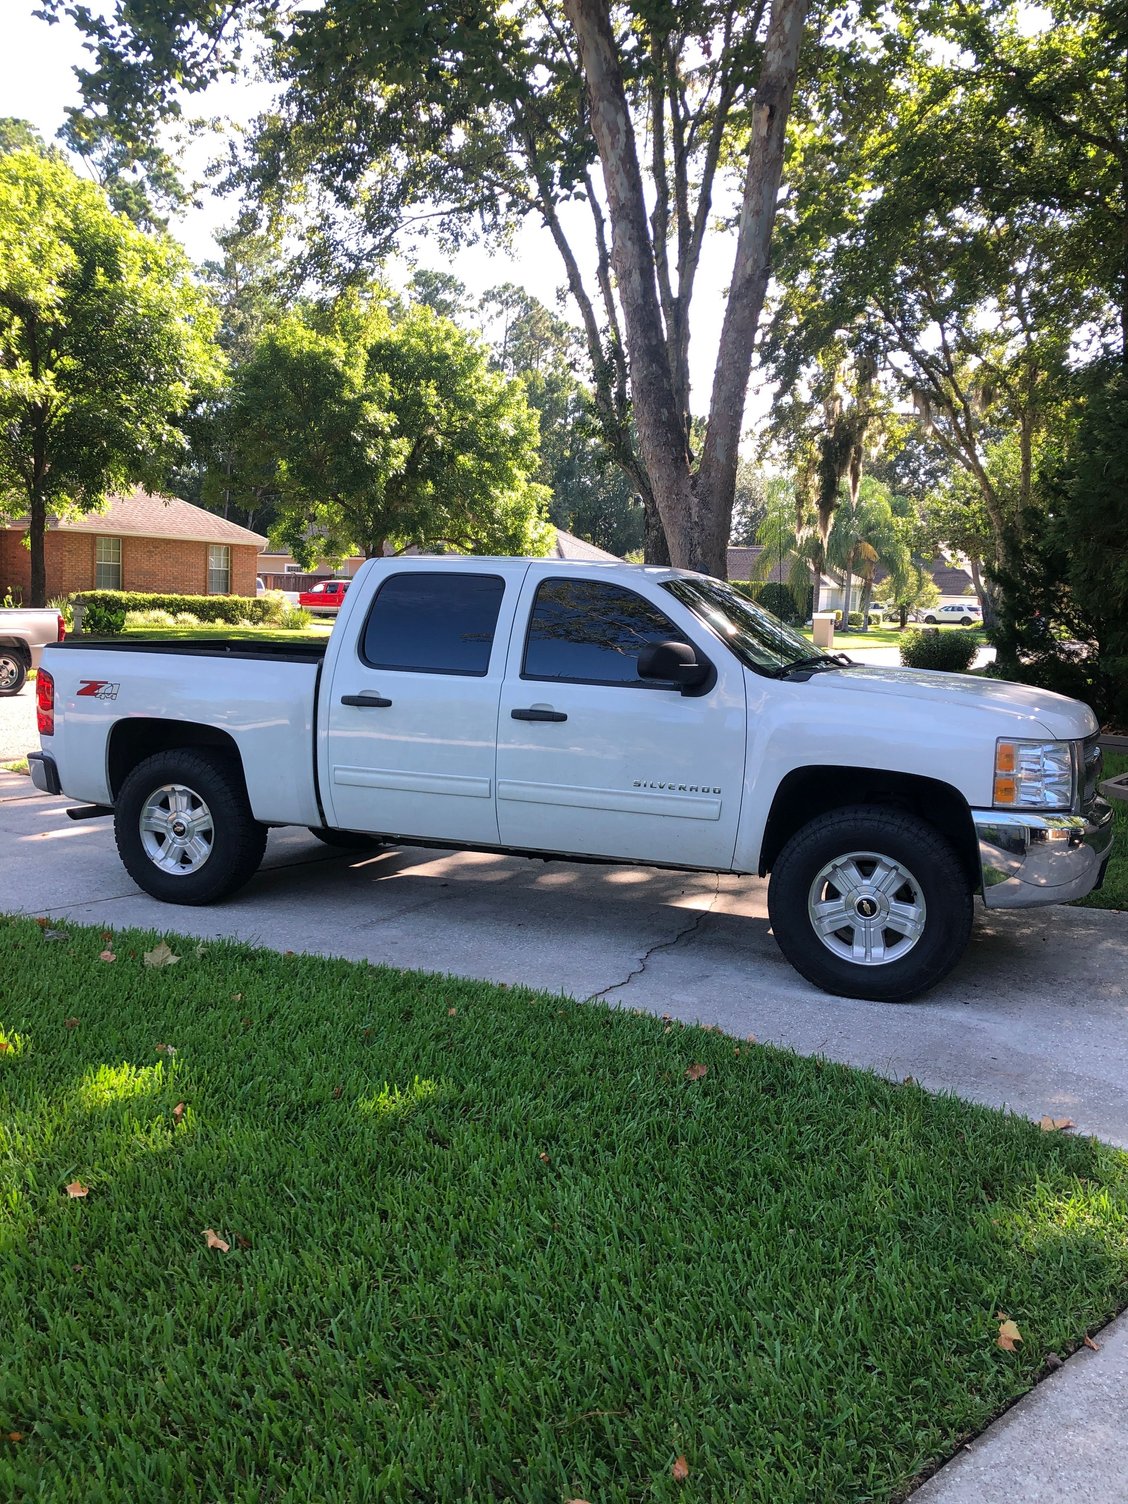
(1035,775)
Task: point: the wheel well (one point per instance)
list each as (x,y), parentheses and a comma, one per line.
(131,741)
(807,793)
(17,646)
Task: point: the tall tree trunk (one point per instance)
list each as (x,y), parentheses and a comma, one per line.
(37,533)
(696,514)
(847,585)
(867,597)
(986,604)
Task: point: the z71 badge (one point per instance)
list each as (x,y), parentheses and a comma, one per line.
(100,689)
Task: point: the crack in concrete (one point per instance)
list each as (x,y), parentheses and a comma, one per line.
(683,934)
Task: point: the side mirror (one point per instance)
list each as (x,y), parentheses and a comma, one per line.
(675,662)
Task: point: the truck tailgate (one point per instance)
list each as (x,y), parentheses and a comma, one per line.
(264,700)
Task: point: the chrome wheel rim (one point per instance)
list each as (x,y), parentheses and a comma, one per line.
(867,908)
(177,830)
(9,671)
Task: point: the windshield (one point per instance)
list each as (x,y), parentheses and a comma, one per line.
(758,638)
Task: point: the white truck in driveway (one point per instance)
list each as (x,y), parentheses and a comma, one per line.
(23,636)
(598,712)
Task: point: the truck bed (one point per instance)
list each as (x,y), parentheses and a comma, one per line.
(203,647)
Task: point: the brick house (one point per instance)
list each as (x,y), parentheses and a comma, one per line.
(140,542)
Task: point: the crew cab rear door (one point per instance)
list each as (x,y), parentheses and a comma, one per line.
(411,710)
(592,759)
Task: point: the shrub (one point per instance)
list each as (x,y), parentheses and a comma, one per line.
(260,610)
(61,604)
(103,619)
(296,618)
(950,652)
(776,598)
(185,619)
(148,619)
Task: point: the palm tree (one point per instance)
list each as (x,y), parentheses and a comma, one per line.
(864,535)
(790,539)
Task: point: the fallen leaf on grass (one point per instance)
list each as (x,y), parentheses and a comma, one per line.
(76,1189)
(13,1436)
(160,955)
(242,1242)
(750,1038)
(107,936)
(70,1023)
(236,997)
(1055,1125)
(1009,1335)
(1053,1360)
(680,1470)
(165,1049)
(42,921)
(695,1071)
(178,1113)
(4,1045)
(1093,1346)
(215,1241)
(451,1012)
(107,955)
(337,1090)
(544,1158)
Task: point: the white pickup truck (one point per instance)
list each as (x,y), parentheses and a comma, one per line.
(23,636)
(605,712)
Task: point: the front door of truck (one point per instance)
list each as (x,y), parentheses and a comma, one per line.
(412,712)
(594,759)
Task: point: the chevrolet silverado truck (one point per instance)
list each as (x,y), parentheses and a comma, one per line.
(23,636)
(595,712)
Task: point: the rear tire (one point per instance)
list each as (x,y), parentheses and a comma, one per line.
(184,827)
(346,840)
(13,671)
(899,890)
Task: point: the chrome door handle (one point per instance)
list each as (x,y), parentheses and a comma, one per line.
(366,700)
(534,714)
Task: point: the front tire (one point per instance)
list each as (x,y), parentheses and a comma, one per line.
(871,903)
(13,672)
(184,828)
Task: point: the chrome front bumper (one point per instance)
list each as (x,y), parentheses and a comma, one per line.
(1029,859)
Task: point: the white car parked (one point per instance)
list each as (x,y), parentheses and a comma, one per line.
(966,613)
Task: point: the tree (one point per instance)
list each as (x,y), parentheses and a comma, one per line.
(749,504)
(469,118)
(864,537)
(104,341)
(380,425)
(590,496)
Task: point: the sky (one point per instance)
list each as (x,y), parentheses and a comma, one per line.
(37,83)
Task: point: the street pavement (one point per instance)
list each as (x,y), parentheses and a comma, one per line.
(1035,1019)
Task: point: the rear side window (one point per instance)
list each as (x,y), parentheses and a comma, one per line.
(587,632)
(441,623)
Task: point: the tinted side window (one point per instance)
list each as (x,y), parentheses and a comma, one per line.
(587,631)
(440,623)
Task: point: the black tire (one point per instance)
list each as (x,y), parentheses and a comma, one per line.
(936,894)
(347,840)
(965,621)
(13,671)
(931,620)
(234,847)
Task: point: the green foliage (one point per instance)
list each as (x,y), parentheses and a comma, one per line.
(105,341)
(371,424)
(951,652)
(776,598)
(397,1318)
(107,607)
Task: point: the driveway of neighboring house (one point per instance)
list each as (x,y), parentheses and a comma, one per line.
(18,735)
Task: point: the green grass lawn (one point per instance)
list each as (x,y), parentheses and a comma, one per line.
(489,1244)
(1114,893)
(881,637)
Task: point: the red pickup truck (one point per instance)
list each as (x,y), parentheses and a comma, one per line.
(329,596)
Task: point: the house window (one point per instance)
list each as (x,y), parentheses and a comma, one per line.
(107,563)
(219,569)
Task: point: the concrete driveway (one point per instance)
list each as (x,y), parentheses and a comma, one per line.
(1035,1019)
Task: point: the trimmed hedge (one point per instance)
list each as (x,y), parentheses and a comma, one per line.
(774,597)
(105,609)
(950,652)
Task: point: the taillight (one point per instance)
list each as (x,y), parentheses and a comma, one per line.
(62,628)
(45,703)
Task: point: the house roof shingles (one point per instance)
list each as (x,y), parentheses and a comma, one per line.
(143,515)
